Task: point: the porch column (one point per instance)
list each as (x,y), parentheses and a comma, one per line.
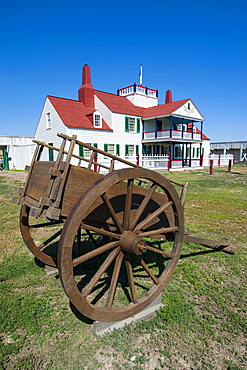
(183,155)
(192,131)
(186,152)
(155,149)
(182,128)
(170,127)
(156,128)
(171,152)
(190,152)
(142,129)
(201,161)
(201,129)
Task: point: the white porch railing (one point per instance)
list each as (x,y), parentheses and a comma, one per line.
(165,134)
(155,161)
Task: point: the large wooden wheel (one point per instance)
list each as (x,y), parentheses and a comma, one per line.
(139,214)
(41,236)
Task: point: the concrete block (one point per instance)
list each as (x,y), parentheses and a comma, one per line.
(100,328)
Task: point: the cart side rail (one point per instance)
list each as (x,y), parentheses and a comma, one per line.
(58,172)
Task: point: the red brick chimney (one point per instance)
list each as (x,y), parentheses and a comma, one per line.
(168,97)
(86,91)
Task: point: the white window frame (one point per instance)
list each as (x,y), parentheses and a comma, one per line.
(111,149)
(87,152)
(95,116)
(131,148)
(132,124)
(48,120)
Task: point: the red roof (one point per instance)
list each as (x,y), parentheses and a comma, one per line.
(73,113)
(119,104)
(163,109)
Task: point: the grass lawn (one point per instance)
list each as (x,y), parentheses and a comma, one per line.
(202,325)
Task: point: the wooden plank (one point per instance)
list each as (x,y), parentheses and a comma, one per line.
(39,180)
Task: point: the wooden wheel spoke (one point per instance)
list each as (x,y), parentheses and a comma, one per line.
(100,231)
(162,230)
(94,253)
(86,291)
(114,280)
(169,255)
(49,240)
(112,212)
(149,272)
(129,271)
(143,205)
(128,203)
(151,217)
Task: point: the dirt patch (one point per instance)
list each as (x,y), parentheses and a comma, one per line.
(14,175)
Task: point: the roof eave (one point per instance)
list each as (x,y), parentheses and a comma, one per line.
(187,117)
(157,116)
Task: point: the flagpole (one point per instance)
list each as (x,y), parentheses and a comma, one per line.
(140,74)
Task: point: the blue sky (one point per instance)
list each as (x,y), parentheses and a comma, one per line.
(197,49)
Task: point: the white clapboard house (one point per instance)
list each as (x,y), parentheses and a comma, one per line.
(128,124)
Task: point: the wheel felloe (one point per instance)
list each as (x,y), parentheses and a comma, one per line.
(126,272)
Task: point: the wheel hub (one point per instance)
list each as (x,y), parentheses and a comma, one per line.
(131,242)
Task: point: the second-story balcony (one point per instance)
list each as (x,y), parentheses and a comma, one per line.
(171,134)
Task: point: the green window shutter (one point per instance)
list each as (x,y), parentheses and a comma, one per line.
(81,151)
(126,124)
(95,145)
(106,147)
(51,155)
(117,149)
(126,149)
(137,149)
(202,150)
(138,125)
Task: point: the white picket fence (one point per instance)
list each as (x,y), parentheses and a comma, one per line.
(219,160)
(157,162)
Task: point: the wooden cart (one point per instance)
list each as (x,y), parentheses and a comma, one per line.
(116,238)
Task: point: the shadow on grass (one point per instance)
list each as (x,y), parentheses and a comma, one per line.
(198,253)
(79,315)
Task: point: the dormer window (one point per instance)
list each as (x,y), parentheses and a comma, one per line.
(97,119)
(48,120)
